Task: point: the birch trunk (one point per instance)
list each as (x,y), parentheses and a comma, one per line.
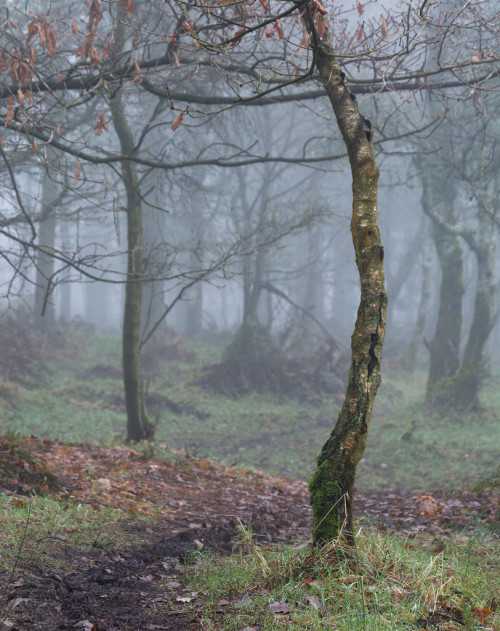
(332,484)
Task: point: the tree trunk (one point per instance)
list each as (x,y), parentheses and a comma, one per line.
(466,385)
(445,346)
(65,289)
(425,298)
(193,311)
(138,425)
(332,483)
(44,305)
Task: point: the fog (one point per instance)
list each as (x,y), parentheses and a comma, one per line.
(172,196)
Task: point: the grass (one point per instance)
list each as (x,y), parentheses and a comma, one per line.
(408,447)
(385,583)
(30,525)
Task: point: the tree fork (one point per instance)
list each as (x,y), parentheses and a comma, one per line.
(332,484)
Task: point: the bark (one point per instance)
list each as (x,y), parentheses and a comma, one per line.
(65,290)
(153,304)
(465,387)
(193,312)
(138,425)
(445,345)
(44,305)
(425,298)
(331,486)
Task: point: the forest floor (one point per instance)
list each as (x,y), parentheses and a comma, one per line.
(104,537)
(115,538)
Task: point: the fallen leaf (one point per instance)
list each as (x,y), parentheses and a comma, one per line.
(280,607)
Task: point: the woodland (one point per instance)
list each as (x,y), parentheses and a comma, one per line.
(249,331)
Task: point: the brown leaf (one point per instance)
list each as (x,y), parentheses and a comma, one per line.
(74,27)
(95,58)
(129,6)
(304,42)
(317,7)
(51,42)
(481,613)
(361,32)
(178,120)
(4,61)
(321,28)
(176,59)
(20,96)
(269,33)
(188,28)
(477,58)
(10,110)
(426,505)
(237,36)
(361,8)
(278,29)
(77,174)
(137,69)
(385,32)
(98,129)
(280,607)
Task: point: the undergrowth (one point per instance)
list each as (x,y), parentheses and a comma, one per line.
(384,583)
(79,397)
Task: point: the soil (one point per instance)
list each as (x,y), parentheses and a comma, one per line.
(193,505)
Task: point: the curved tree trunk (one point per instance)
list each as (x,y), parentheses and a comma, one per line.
(332,483)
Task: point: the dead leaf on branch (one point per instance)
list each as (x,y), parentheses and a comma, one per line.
(100,125)
(128,4)
(10,110)
(385,31)
(178,120)
(278,29)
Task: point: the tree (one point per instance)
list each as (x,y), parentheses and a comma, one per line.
(332,484)
(201,42)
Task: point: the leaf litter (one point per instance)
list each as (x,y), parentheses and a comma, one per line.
(189,504)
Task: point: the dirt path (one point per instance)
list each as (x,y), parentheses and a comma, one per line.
(199,504)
